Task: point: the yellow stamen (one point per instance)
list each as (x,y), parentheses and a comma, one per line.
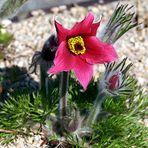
(76,45)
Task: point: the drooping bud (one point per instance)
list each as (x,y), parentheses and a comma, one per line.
(46,55)
(49,48)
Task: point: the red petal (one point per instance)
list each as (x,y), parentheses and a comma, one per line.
(64,60)
(83,72)
(61,31)
(83,27)
(94,28)
(98,52)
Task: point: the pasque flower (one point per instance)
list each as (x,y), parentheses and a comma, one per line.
(79,49)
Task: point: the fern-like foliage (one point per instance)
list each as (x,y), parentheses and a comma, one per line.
(123,128)
(18,115)
(118,124)
(10,6)
(121,21)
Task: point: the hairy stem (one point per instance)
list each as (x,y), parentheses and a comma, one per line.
(96,109)
(44,83)
(43,78)
(63,94)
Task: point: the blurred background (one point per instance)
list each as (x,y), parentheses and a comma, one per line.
(32,24)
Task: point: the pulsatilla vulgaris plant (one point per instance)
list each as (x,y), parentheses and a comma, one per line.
(76,50)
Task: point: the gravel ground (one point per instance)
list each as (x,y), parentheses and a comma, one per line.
(30,35)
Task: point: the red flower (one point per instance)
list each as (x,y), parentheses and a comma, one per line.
(79,49)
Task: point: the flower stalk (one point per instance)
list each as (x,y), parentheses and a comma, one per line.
(44,59)
(44,80)
(96,108)
(63,93)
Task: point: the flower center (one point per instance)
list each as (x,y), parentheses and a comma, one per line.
(76,45)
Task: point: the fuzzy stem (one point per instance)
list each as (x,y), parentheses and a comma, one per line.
(44,82)
(63,92)
(96,109)
(43,77)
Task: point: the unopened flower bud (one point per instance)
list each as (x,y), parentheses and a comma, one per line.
(49,48)
(46,55)
(114,81)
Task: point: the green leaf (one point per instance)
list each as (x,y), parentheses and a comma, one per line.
(10,7)
(5,38)
(120,22)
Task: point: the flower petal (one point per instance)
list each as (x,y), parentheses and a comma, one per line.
(64,60)
(98,52)
(94,28)
(61,32)
(83,27)
(83,72)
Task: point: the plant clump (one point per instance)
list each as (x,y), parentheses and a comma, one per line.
(71,108)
